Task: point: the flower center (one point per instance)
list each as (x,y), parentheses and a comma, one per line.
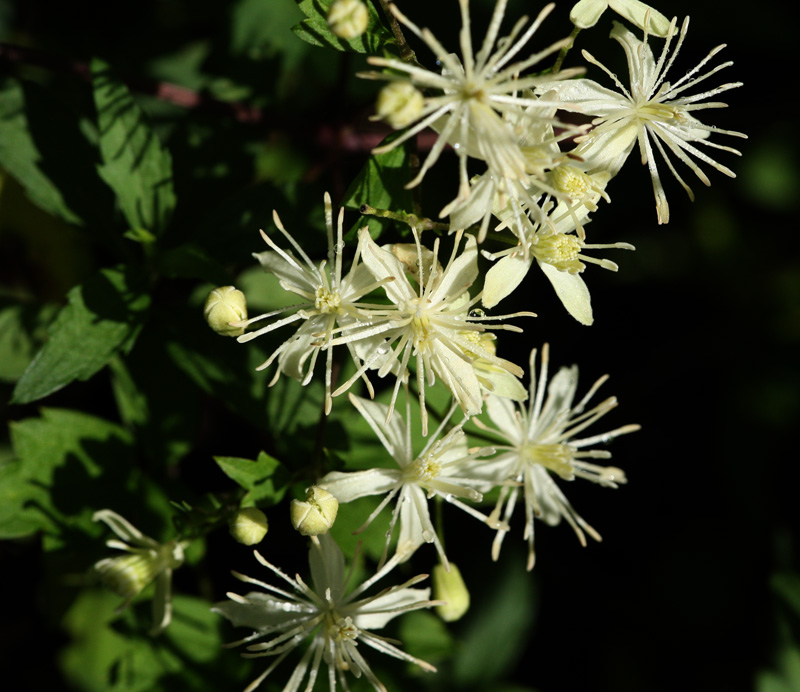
(423,470)
(571,181)
(661,112)
(556,457)
(344,634)
(327,301)
(424,331)
(561,250)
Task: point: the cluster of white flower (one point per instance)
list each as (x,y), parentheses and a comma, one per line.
(402,309)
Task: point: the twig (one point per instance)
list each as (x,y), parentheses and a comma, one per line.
(421,223)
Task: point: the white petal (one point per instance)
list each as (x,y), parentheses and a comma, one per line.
(460,275)
(635,11)
(504,277)
(572,292)
(347,486)
(586,13)
(390,601)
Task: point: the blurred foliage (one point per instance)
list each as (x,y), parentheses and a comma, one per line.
(139,159)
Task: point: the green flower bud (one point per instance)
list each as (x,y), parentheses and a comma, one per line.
(248,526)
(127,575)
(348,18)
(450,587)
(317,514)
(224,305)
(399,104)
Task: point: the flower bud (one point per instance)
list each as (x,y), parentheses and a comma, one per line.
(317,514)
(450,587)
(348,18)
(224,305)
(248,526)
(399,104)
(127,575)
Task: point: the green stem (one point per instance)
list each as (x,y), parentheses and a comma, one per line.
(406,53)
(421,223)
(563,52)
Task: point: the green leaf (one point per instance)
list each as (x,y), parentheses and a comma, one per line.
(314,30)
(424,635)
(504,614)
(68,464)
(22,329)
(265,479)
(381,184)
(109,652)
(43,147)
(103,317)
(787,586)
(190,261)
(136,165)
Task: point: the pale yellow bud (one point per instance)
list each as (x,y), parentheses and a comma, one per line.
(248,526)
(127,575)
(399,104)
(317,514)
(224,305)
(348,18)
(450,587)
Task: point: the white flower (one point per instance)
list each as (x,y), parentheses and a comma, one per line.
(429,321)
(437,470)
(585,14)
(542,440)
(559,253)
(511,200)
(331,304)
(336,621)
(654,111)
(147,560)
(473,93)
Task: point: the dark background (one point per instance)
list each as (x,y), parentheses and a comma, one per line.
(699,331)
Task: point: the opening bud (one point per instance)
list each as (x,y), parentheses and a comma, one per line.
(348,18)
(316,515)
(399,104)
(450,587)
(248,526)
(223,306)
(127,575)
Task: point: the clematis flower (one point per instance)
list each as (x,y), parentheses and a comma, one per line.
(331,303)
(335,619)
(586,13)
(561,255)
(437,470)
(429,320)
(147,560)
(540,441)
(473,93)
(653,112)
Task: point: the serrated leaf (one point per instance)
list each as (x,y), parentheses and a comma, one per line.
(55,483)
(315,30)
(381,184)
(102,317)
(109,652)
(136,166)
(42,146)
(22,329)
(265,479)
